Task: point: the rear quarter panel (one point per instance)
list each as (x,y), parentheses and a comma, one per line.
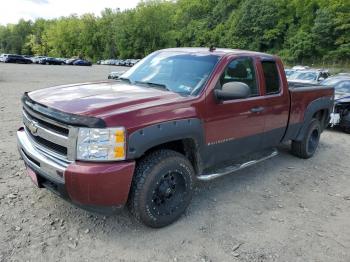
(305,102)
(302,97)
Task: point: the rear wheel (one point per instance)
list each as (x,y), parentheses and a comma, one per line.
(307,147)
(161,189)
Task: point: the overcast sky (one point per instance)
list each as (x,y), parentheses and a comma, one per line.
(13,10)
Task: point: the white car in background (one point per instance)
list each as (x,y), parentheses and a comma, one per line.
(308,76)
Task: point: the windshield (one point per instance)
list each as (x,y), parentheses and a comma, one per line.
(304,76)
(289,72)
(180,72)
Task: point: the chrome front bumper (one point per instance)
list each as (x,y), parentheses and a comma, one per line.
(40,161)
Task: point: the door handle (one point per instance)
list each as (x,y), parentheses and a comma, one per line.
(257,109)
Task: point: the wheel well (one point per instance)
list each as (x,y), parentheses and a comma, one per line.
(322,116)
(187,147)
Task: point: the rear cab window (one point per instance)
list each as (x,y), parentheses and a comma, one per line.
(272,77)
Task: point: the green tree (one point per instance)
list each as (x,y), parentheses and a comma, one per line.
(295,29)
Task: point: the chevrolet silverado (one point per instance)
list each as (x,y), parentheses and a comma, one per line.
(178,116)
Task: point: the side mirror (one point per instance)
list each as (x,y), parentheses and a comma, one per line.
(232,90)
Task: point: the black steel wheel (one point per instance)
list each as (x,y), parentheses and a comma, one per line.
(161,189)
(307,147)
(168,194)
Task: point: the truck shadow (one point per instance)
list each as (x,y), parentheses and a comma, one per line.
(207,195)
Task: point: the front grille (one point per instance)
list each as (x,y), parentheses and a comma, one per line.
(52,127)
(49,145)
(47,135)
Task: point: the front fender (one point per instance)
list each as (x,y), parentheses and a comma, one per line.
(148,137)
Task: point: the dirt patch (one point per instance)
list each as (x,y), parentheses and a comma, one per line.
(285,209)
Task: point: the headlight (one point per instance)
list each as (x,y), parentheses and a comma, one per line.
(106,144)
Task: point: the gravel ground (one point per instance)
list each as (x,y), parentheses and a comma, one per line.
(285,209)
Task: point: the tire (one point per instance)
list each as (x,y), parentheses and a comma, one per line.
(307,147)
(162,188)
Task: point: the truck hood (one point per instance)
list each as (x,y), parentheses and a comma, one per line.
(96,99)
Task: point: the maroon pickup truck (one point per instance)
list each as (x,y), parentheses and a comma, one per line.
(180,115)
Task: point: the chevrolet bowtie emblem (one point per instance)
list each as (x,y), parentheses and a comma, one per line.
(33,127)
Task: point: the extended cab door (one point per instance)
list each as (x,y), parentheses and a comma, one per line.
(277,101)
(235,127)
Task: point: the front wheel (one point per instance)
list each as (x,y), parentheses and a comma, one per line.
(306,148)
(162,188)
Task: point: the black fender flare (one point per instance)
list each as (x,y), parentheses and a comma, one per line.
(323,103)
(151,136)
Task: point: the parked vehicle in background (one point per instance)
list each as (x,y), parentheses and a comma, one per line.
(28,56)
(50,61)
(119,62)
(36,59)
(132,62)
(122,63)
(82,62)
(299,67)
(115,75)
(341,114)
(308,76)
(128,62)
(289,72)
(9,58)
(62,60)
(179,115)
(71,61)
(2,57)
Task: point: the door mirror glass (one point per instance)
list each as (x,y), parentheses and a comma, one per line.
(233,90)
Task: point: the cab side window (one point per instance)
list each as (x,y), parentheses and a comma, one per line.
(272,79)
(241,70)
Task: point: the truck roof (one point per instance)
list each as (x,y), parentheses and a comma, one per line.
(218,51)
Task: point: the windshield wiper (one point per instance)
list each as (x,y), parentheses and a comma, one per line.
(153,85)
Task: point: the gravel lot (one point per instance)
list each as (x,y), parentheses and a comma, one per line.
(285,209)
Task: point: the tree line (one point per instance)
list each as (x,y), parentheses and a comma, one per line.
(297,30)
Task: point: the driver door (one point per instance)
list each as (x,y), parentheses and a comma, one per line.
(235,128)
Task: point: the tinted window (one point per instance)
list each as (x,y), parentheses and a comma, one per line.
(241,70)
(272,80)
